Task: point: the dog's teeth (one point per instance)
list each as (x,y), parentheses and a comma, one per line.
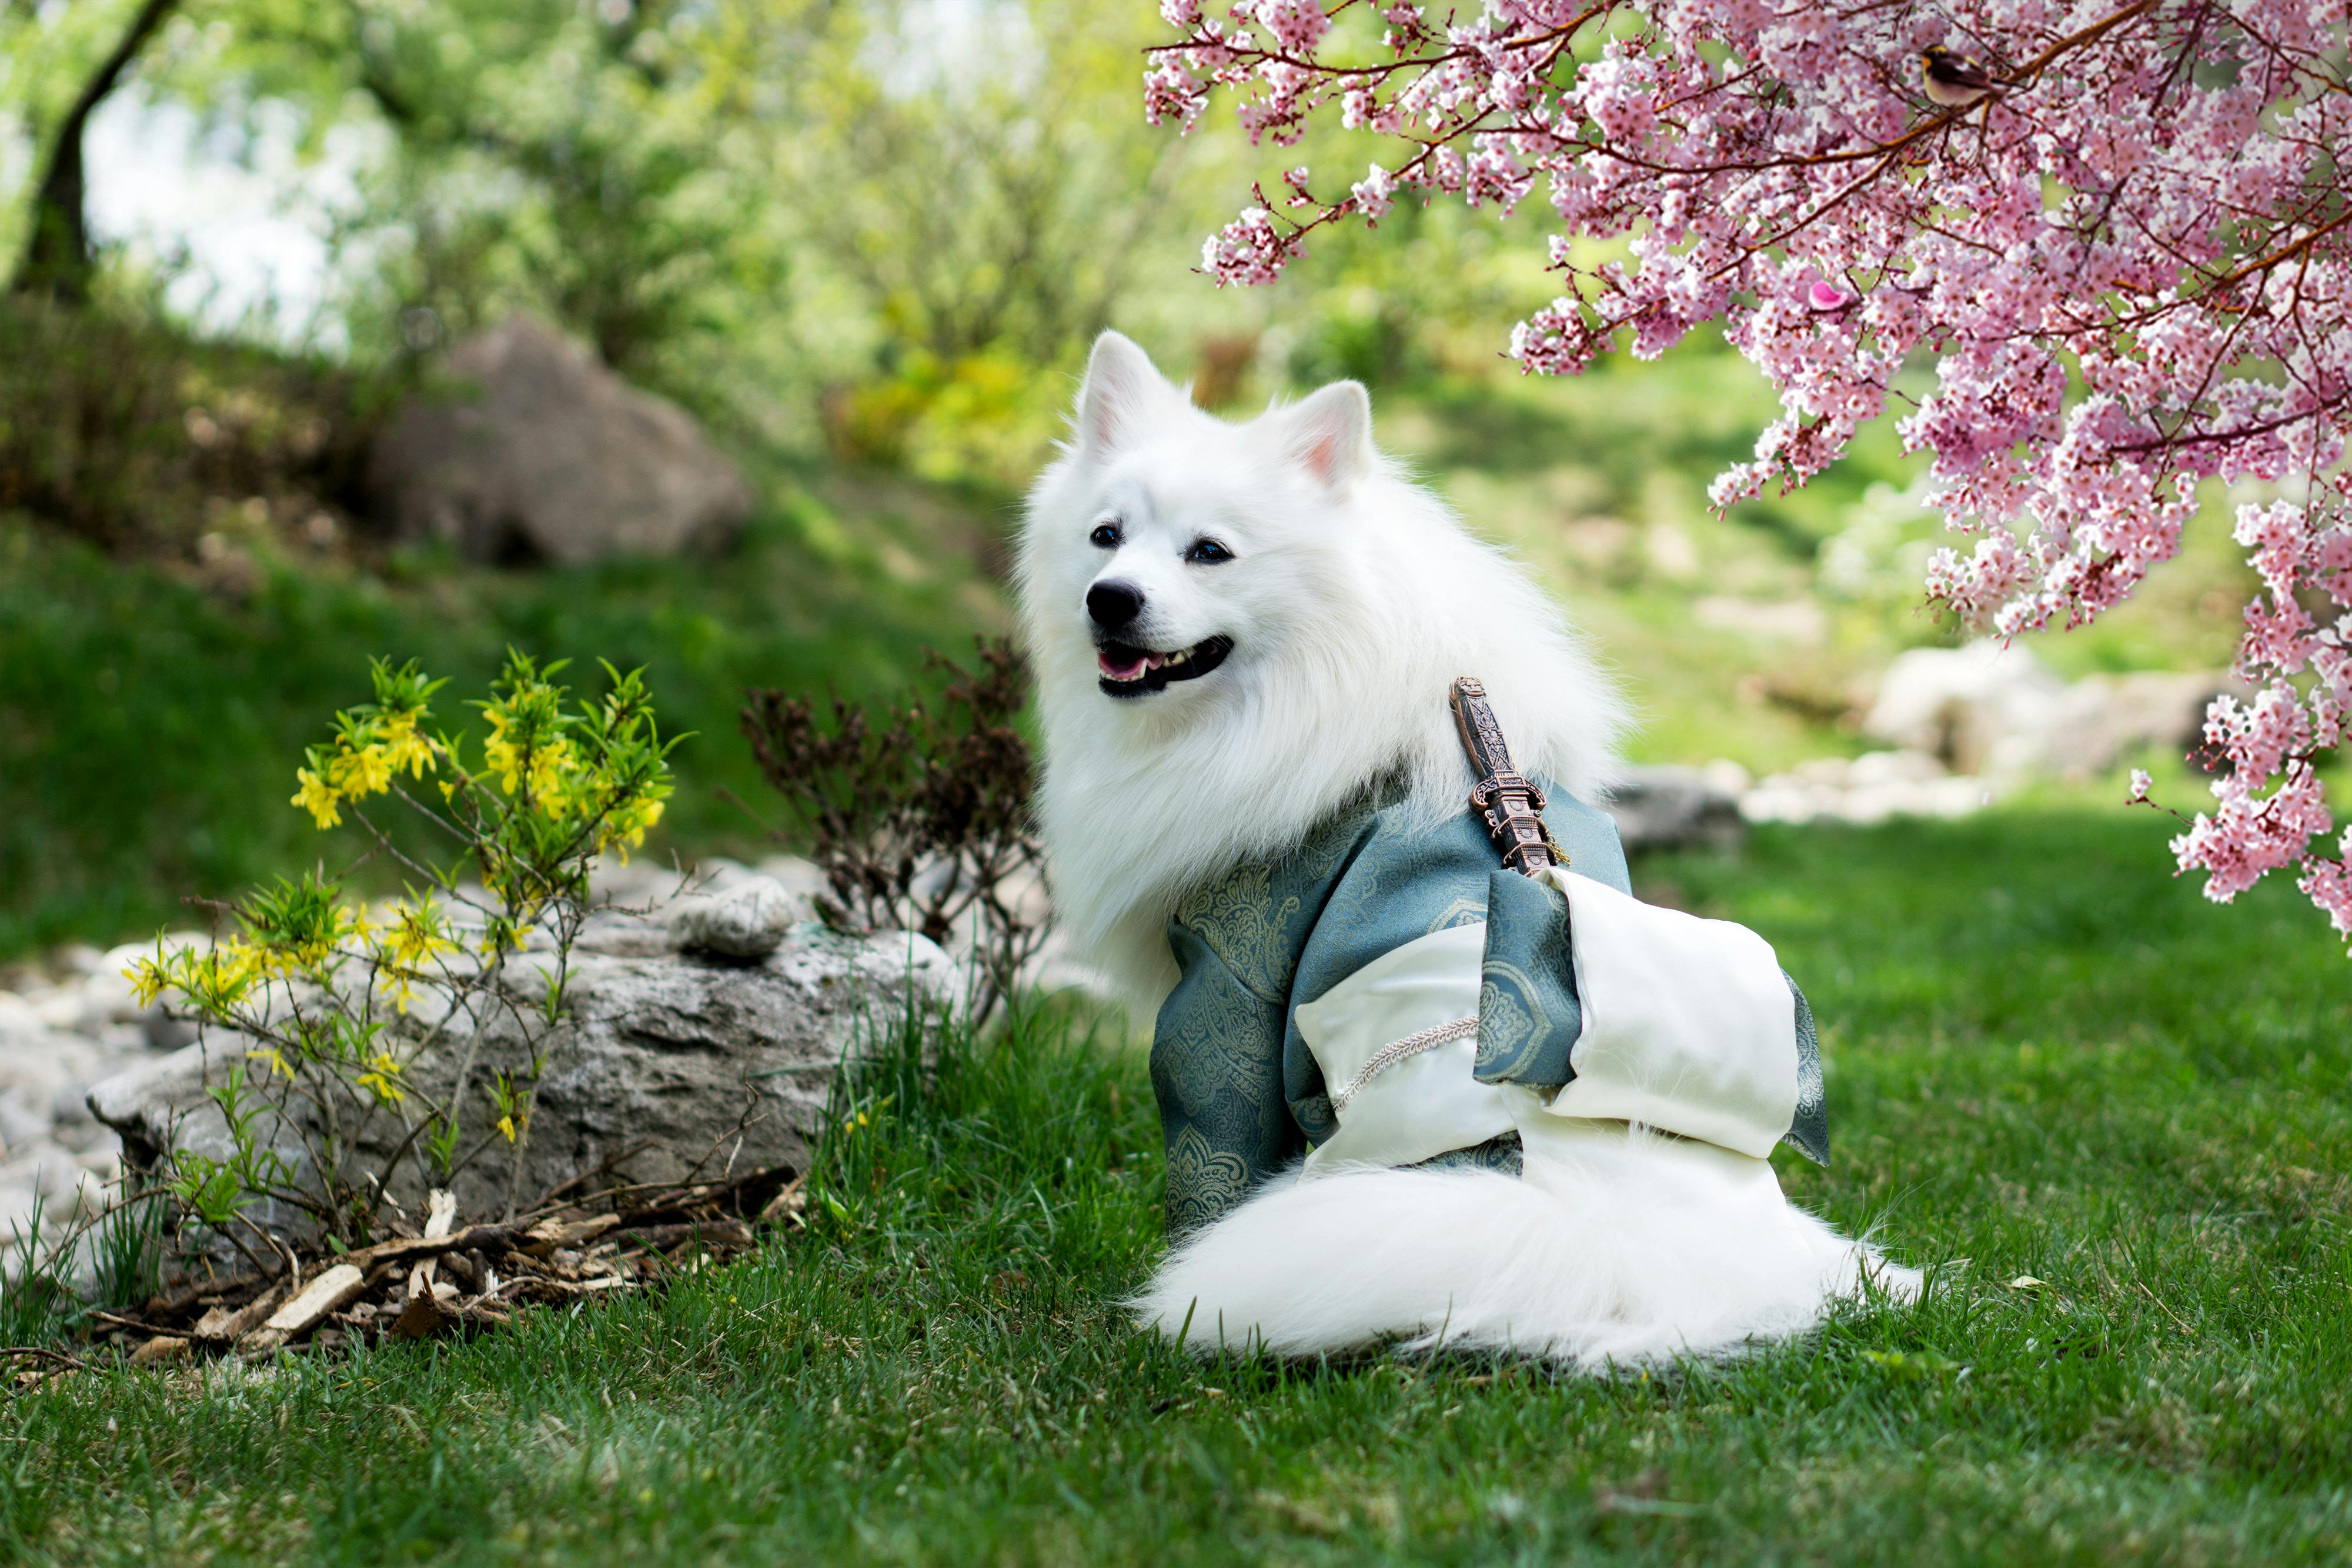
(1180,656)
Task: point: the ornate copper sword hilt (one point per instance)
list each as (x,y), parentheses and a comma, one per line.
(1509,803)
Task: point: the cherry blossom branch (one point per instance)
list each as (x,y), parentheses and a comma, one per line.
(2134,275)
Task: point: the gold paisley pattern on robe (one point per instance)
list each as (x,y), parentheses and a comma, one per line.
(1508,1023)
(1461,911)
(1529,1011)
(1203,1181)
(1502,1153)
(1239,920)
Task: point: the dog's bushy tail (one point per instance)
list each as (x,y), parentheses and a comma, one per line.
(1620,1262)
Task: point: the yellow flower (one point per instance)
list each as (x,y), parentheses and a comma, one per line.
(274,1058)
(545,776)
(626,827)
(397,983)
(147,978)
(221,978)
(507,1125)
(417,935)
(317,796)
(382,1078)
(499,752)
(404,747)
(367,771)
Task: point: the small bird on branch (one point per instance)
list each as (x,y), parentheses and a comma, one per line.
(1953,80)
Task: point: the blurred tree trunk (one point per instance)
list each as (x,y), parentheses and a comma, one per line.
(57,260)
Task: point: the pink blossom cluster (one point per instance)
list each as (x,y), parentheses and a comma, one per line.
(2118,266)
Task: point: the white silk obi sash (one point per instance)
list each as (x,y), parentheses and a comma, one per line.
(1688,1028)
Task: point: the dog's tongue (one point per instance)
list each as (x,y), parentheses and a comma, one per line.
(1120,666)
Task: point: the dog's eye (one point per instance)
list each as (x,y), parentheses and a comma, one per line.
(1207,552)
(1106,536)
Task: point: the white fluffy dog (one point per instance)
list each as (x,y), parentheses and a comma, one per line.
(1238,629)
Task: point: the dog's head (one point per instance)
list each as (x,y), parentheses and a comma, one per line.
(1170,550)
(1238,627)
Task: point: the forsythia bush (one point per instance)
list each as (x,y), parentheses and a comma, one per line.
(330,1005)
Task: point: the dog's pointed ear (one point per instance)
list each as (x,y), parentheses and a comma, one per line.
(1122,390)
(1331,432)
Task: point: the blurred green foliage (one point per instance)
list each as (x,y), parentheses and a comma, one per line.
(132,436)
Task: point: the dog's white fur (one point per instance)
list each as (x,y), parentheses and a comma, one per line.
(1353,599)
(1628,1253)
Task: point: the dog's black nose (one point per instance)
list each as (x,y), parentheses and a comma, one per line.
(1114,604)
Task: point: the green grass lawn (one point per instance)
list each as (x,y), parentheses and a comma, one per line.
(2046,1058)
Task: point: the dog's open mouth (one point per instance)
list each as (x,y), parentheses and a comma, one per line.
(1130,672)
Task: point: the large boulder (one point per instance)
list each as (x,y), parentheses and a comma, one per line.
(671,1065)
(554,457)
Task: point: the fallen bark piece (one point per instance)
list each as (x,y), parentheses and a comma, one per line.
(440,1219)
(426,1316)
(541,1240)
(158,1350)
(789,1206)
(330,1293)
(546,1290)
(184,1301)
(490,1239)
(466,1269)
(743,1194)
(326,1292)
(223,1325)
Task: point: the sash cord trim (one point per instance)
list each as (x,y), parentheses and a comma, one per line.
(1404,1050)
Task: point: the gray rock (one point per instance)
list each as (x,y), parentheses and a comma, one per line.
(2159,708)
(746,921)
(1871,788)
(697,1063)
(1659,808)
(557,457)
(1981,709)
(2002,714)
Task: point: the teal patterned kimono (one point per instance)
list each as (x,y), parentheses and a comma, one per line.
(1240,1093)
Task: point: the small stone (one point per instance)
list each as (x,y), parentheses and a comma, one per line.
(1669,807)
(748,920)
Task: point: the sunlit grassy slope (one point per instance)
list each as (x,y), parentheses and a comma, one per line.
(149,728)
(2046,1060)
